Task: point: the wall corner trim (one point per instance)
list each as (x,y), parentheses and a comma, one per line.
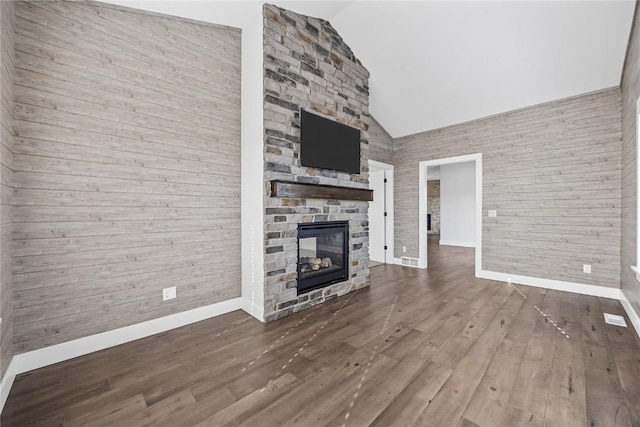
(46,356)
(633,316)
(558,285)
(253,309)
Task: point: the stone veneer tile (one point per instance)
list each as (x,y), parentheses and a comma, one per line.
(307,65)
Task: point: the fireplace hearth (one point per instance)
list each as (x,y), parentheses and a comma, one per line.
(323,254)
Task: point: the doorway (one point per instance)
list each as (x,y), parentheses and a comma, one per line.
(433,207)
(381,213)
(475,218)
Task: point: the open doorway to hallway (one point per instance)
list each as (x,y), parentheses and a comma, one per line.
(451,206)
(433,207)
(451,202)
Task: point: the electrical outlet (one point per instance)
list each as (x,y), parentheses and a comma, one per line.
(492,213)
(586,268)
(168,293)
(404,249)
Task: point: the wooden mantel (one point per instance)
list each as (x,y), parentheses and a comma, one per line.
(301,190)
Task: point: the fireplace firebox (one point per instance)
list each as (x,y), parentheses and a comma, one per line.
(323,254)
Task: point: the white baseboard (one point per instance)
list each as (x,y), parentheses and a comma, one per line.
(35,359)
(7,382)
(253,309)
(558,285)
(633,316)
(454,243)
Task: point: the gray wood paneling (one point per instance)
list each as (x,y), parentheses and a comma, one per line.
(127,168)
(7,20)
(630,93)
(380,143)
(552,172)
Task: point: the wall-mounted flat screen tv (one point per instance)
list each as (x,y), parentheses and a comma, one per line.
(327,144)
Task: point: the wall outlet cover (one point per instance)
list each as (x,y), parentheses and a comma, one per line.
(404,249)
(492,213)
(168,293)
(586,268)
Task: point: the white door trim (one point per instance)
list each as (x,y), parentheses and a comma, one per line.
(422,205)
(389,200)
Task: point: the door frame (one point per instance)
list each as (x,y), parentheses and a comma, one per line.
(389,234)
(422,205)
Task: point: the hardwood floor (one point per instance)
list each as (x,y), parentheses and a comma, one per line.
(434,348)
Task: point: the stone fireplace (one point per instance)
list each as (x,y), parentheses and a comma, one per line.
(323,254)
(308,66)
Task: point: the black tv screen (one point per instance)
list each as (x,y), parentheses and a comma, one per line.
(327,144)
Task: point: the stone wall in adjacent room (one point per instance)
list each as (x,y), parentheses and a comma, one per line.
(433,205)
(308,65)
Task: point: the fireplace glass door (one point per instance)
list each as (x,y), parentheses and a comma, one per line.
(322,254)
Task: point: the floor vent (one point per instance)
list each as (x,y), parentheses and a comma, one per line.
(411,262)
(614,319)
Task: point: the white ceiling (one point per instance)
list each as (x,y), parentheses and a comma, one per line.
(437,63)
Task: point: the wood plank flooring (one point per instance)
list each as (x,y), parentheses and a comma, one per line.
(433,347)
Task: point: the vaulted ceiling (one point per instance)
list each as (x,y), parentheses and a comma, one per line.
(436,63)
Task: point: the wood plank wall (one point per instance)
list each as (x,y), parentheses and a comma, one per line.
(127,168)
(6,142)
(630,94)
(380,143)
(553,174)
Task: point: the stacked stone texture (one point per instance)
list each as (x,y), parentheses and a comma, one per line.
(433,205)
(307,65)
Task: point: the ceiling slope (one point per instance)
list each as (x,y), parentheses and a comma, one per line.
(434,64)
